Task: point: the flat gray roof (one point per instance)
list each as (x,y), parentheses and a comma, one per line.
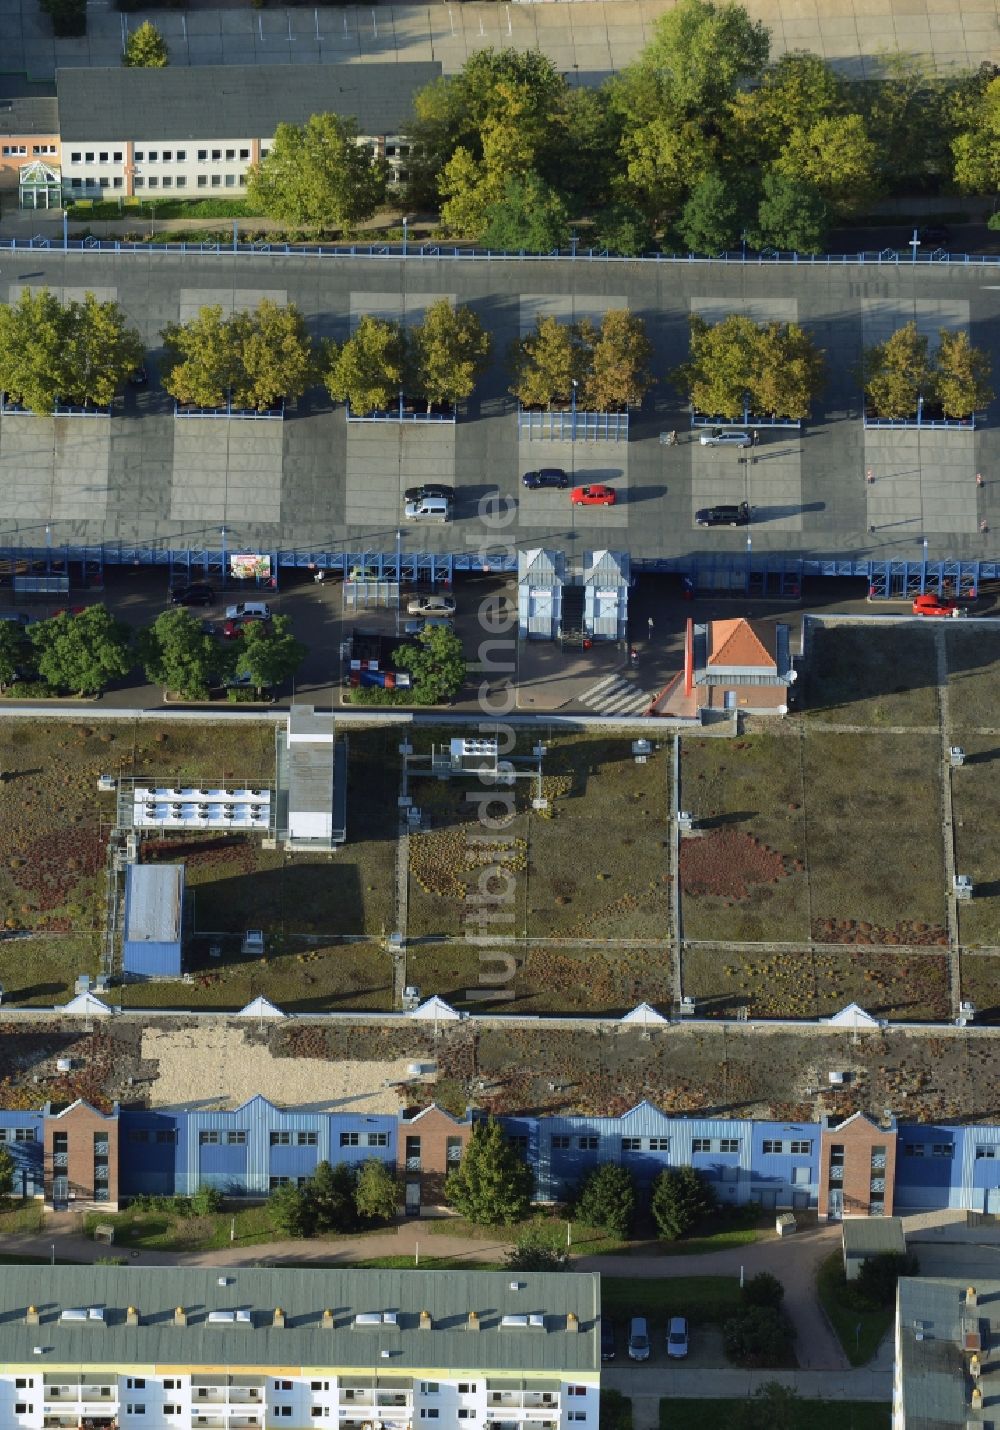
(153,903)
(303,1294)
(933,1369)
(233,101)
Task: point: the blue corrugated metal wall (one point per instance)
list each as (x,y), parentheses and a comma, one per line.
(27,1155)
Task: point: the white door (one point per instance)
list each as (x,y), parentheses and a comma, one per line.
(835,1205)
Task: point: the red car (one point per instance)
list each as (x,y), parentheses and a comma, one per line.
(234,628)
(69,611)
(593,496)
(928,604)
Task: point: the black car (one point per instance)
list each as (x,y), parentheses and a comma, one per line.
(198,593)
(138,377)
(545,477)
(935,235)
(738,515)
(607,1339)
(429,489)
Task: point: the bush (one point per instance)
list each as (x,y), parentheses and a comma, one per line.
(764,1290)
(29,690)
(758,1336)
(206,1201)
(536,1250)
(878,1275)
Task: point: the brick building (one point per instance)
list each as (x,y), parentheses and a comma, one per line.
(430,1143)
(857,1169)
(81,1155)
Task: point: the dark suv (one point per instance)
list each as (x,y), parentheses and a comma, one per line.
(198,593)
(429,489)
(545,477)
(738,515)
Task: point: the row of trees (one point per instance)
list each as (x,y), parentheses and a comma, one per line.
(607,367)
(773,368)
(82,654)
(902,372)
(73,352)
(339,1198)
(437,362)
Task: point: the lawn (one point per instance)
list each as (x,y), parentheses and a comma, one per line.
(594,864)
(705,1300)
(980,974)
(804,984)
(682,1414)
(40,970)
(975,792)
(872,675)
(973,675)
(860,1332)
(874,850)
(165,1231)
(23,1218)
(742,876)
(541,979)
(616,1411)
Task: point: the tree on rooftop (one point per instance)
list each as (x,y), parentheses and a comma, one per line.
(317,175)
(492,1184)
(77,352)
(146,48)
(775,367)
(617,373)
(962,375)
(252,359)
(202,360)
(99,351)
(547,361)
(898,372)
(81,654)
(450,352)
(370,370)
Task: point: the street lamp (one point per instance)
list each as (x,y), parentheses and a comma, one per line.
(399,575)
(573,427)
(406,226)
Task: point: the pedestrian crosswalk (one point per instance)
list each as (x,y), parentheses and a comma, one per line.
(614,695)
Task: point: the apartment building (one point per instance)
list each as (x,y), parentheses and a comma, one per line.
(193,131)
(163,1348)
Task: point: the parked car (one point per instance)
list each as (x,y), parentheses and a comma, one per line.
(928,604)
(677,1338)
(545,477)
(935,235)
(607,1339)
(195,593)
(429,489)
(138,377)
(638,1339)
(596,495)
(233,628)
(422,623)
(16,618)
(431,606)
(69,611)
(428,509)
(725,437)
(254,610)
(736,515)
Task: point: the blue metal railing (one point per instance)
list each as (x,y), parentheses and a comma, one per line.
(401,414)
(573,426)
(269,414)
(885,258)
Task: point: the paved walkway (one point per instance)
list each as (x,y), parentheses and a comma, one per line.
(587,40)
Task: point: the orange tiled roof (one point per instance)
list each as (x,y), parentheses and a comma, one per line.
(739,643)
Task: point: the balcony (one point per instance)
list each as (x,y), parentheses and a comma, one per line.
(242,1420)
(413,1164)
(541,1399)
(392,1397)
(245,1395)
(209,1422)
(504,1399)
(836,1175)
(356,1396)
(878,1162)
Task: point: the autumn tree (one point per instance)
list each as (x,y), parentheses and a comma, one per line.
(450,351)
(962,375)
(369,370)
(617,373)
(99,351)
(251,359)
(788,371)
(80,353)
(548,361)
(146,48)
(774,367)
(898,372)
(662,161)
(795,93)
(838,157)
(317,175)
(202,360)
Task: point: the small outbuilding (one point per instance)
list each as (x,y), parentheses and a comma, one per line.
(312,782)
(154,915)
(866,1236)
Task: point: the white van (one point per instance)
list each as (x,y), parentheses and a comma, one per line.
(428,509)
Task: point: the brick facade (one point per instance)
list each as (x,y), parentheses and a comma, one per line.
(80,1143)
(422,1155)
(857,1170)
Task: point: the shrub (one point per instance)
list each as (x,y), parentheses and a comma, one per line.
(878,1276)
(681,1198)
(206,1201)
(758,1336)
(764,1290)
(535,1250)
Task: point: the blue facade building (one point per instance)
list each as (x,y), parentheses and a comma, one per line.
(154,912)
(22,1134)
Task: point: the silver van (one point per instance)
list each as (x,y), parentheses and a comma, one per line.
(638,1339)
(428,509)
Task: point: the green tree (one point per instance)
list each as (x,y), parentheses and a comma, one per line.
(624,231)
(330,1191)
(773,1406)
(376,1192)
(662,160)
(680,1199)
(838,157)
(775,367)
(370,370)
(796,92)
(758,1336)
(962,376)
(268,653)
(13,647)
(146,48)
(291,1211)
(763,1290)
(202,359)
(317,175)
(82,653)
(78,352)
(99,351)
(792,215)
(467,195)
(976,149)
(450,352)
(436,664)
(275,355)
(788,371)
(898,372)
(546,363)
(492,1184)
(527,215)
(618,371)
(908,114)
(714,216)
(176,653)
(536,1250)
(6,1176)
(607,1200)
(878,1275)
(702,53)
